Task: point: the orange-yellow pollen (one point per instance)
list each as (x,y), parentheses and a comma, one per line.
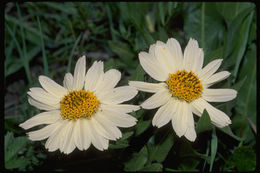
(78,104)
(184,85)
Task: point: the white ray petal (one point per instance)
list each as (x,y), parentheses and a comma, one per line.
(198,106)
(41,95)
(110,80)
(79,74)
(148,87)
(217,77)
(164,114)
(43,133)
(67,144)
(85,134)
(119,119)
(97,140)
(52,87)
(68,81)
(219,95)
(217,117)
(77,135)
(151,66)
(164,56)
(109,127)
(156,100)
(180,117)
(176,52)
(117,95)
(209,69)
(193,56)
(190,133)
(100,129)
(94,76)
(42,118)
(123,108)
(42,106)
(52,143)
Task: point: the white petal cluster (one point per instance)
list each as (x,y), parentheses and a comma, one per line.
(166,58)
(66,134)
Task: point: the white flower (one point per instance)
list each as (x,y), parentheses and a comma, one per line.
(184,86)
(86,110)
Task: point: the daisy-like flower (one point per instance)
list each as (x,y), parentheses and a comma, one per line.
(85,110)
(183,87)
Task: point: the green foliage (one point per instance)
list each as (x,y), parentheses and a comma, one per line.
(19,154)
(159,151)
(48,37)
(122,142)
(204,123)
(243,158)
(137,160)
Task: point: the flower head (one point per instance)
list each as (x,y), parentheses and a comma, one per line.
(183,87)
(86,110)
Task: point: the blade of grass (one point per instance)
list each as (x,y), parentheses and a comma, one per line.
(214,147)
(15,40)
(111,26)
(72,51)
(25,57)
(207,153)
(161,13)
(203,26)
(11,45)
(23,24)
(44,59)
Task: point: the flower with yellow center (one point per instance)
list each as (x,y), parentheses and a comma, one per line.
(86,110)
(183,87)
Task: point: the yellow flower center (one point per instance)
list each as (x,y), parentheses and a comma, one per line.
(78,104)
(185,86)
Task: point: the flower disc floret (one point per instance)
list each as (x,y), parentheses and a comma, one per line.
(184,85)
(78,104)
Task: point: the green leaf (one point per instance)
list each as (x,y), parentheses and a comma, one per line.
(119,144)
(161,12)
(17,163)
(241,43)
(14,146)
(8,139)
(127,135)
(159,151)
(204,123)
(12,126)
(138,75)
(244,158)
(137,160)
(233,29)
(162,34)
(122,50)
(239,84)
(141,126)
(214,147)
(229,132)
(155,167)
(203,23)
(215,54)
(122,142)
(246,98)
(229,10)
